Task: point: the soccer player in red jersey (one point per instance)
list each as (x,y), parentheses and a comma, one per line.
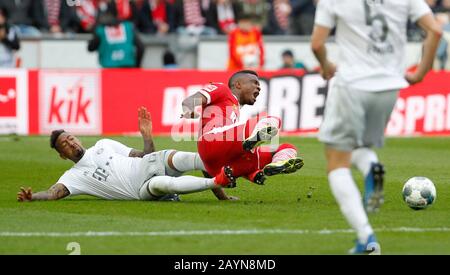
(224,142)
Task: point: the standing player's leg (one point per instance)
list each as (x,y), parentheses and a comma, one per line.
(366,161)
(348,196)
(342,131)
(380,106)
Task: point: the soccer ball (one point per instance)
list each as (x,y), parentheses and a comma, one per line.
(419,193)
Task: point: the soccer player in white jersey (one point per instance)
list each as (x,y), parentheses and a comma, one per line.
(371,35)
(113,171)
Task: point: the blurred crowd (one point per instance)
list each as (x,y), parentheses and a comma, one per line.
(204,17)
(243,21)
(441,8)
(207,17)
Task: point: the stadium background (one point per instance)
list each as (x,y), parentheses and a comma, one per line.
(58,84)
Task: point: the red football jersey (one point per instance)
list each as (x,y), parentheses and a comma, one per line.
(221,109)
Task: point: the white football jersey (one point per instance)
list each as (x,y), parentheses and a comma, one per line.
(371,35)
(106,171)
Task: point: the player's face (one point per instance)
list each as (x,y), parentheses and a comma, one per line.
(250,89)
(69,146)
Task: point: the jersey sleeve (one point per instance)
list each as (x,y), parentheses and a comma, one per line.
(213,92)
(70,181)
(325,14)
(417,9)
(117,147)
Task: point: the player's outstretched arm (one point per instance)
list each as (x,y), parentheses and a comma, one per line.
(56,192)
(145,127)
(434,32)
(190,103)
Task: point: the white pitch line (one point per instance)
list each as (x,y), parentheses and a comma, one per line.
(211,232)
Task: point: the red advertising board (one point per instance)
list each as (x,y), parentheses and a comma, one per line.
(106,101)
(8,98)
(423,109)
(70,100)
(160,91)
(13,102)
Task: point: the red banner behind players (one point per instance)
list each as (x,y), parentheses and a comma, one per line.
(8,96)
(106,102)
(423,108)
(70,100)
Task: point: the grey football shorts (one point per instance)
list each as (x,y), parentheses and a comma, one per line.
(356,118)
(158,165)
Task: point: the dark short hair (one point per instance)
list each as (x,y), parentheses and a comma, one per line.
(238,74)
(54,137)
(288,53)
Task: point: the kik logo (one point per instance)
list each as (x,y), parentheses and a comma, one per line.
(70,101)
(75,107)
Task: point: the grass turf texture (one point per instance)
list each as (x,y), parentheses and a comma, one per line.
(300,201)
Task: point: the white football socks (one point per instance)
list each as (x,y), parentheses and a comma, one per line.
(187,161)
(348,198)
(362,159)
(162,185)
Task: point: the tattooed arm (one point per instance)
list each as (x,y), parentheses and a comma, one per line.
(145,127)
(56,192)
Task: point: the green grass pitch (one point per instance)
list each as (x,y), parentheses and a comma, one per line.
(288,215)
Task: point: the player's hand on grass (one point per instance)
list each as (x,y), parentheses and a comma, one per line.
(25,194)
(145,122)
(328,70)
(190,115)
(233,198)
(413,77)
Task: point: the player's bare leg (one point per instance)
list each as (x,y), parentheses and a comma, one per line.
(366,160)
(348,197)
